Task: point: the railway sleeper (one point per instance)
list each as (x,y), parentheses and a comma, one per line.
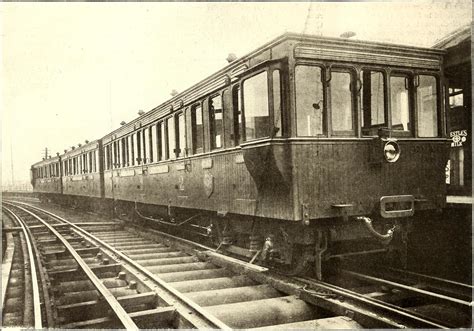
(328,323)
(156,256)
(63,254)
(92,295)
(85,285)
(171,260)
(128,240)
(233,295)
(102,271)
(287,309)
(136,246)
(213,283)
(97,308)
(158,318)
(12,319)
(162,269)
(56,241)
(134,251)
(172,277)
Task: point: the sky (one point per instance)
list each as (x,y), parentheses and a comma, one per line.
(72,72)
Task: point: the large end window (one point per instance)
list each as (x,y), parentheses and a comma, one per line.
(373,102)
(341,103)
(309,101)
(399,102)
(256,110)
(197,129)
(427,106)
(215,121)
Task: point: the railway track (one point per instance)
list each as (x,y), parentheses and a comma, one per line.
(208,289)
(19,291)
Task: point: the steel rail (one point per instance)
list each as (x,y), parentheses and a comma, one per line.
(7,263)
(211,319)
(113,303)
(460,303)
(357,297)
(458,288)
(38,323)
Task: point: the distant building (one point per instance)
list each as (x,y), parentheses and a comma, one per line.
(458,72)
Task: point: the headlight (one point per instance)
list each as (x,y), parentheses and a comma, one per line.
(391,151)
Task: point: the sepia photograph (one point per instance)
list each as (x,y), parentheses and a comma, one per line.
(236,165)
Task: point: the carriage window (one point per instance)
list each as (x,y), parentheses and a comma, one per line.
(133,148)
(124,152)
(181,135)
(309,101)
(85,162)
(197,129)
(114,156)
(149,144)
(237,105)
(171,138)
(138,149)
(456,97)
(341,102)
(145,144)
(162,145)
(129,150)
(117,153)
(399,103)
(215,121)
(372,95)
(277,103)
(153,144)
(256,112)
(427,106)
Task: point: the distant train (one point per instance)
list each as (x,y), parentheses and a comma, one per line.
(305,150)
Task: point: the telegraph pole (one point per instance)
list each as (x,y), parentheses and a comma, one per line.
(11,161)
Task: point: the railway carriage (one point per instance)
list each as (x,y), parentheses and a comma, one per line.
(46,177)
(305,150)
(82,176)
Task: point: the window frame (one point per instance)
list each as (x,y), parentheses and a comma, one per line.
(193,107)
(439,100)
(386,101)
(351,70)
(325,114)
(267,67)
(212,136)
(411,103)
(180,153)
(169,152)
